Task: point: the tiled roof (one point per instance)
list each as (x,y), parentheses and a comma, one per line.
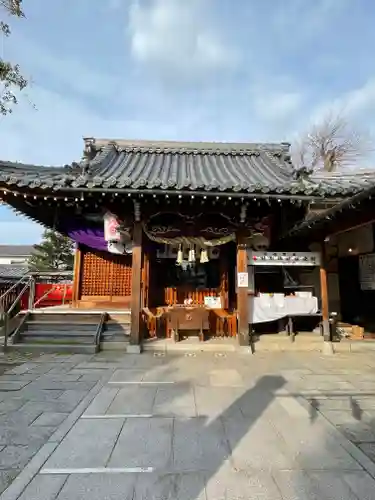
(340,211)
(184,166)
(12,272)
(16,250)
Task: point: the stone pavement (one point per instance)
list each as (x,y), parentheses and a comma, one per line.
(289,426)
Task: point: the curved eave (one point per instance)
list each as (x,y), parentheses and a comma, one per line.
(356,209)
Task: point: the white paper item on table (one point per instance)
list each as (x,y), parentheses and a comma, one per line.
(263,311)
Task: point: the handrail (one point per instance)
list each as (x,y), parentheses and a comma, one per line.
(21,324)
(10,310)
(19,296)
(53,287)
(30,281)
(14,286)
(103,318)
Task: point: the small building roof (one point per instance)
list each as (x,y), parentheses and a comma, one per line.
(351,212)
(12,273)
(16,250)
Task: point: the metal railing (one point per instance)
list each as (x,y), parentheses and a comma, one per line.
(53,288)
(99,329)
(9,302)
(8,313)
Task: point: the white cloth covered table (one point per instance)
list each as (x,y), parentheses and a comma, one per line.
(268,308)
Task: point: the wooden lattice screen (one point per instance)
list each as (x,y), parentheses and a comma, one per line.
(105,275)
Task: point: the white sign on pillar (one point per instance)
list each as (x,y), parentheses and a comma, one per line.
(242,280)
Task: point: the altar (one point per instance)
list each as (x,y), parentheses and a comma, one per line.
(282,296)
(267,308)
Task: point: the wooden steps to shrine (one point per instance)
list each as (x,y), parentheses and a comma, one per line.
(68,331)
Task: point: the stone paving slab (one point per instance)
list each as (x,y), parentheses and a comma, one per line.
(98,487)
(7,477)
(175,401)
(102,401)
(222,427)
(186,486)
(16,457)
(143,443)
(48,419)
(44,488)
(198,445)
(88,444)
(12,385)
(134,400)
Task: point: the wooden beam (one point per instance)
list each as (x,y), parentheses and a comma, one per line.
(77,276)
(324,296)
(242,294)
(135,327)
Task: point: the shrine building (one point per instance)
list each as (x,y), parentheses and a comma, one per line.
(183,234)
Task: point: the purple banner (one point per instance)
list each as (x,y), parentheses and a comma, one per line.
(83,234)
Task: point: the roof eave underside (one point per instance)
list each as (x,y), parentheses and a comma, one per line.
(329,218)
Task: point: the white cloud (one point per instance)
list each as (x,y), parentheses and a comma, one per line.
(178,35)
(357,105)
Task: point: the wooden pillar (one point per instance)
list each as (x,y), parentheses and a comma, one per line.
(76,276)
(324,296)
(135,328)
(224,280)
(145,279)
(242,293)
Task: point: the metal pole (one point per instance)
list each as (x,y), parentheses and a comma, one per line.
(32,293)
(6,330)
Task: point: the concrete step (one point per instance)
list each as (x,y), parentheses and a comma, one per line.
(60,333)
(64,317)
(58,348)
(59,326)
(110,339)
(65,337)
(119,317)
(114,346)
(280,337)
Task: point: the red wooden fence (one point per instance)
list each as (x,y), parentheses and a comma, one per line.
(60,294)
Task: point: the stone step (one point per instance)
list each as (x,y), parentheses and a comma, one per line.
(58,334)
(110,339)
(114,346)
(59,348)
(64,317)
(280,337)
(59,326)
(119,317)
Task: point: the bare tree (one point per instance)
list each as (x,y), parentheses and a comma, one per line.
(11,78)
(331,144)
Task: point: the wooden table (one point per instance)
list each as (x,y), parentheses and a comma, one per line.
(188,318)
(290,329)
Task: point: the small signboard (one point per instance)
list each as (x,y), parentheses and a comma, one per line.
(367,271)
(212,302)
(243,280)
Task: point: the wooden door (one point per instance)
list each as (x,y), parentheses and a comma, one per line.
(105,277)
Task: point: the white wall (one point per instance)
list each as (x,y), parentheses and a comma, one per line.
(8,261)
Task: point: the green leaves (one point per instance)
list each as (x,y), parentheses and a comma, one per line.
(54,253)
(11,79)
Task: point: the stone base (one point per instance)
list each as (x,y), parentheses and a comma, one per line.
(134,349)
(328,348)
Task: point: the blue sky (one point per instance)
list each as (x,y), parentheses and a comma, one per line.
(223,70)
